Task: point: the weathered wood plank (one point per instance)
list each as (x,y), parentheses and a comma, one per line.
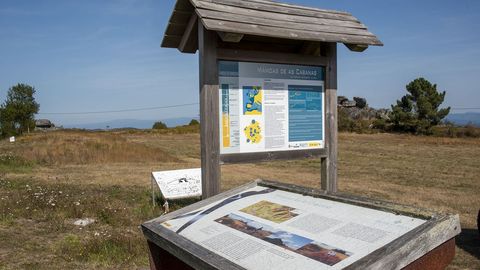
(178,18)
(171,41)
(260,18)
(265,44)
(187,251)
(331,124)
(175,29)
(411,246)
(230,37)
(209,112)
(189,42)
(437,259)
(356,47)
(269,31)
(324,173)
(281,9)
(160,259)
(276,16)
(211,14)
(184,5)
(271,57)
(311,48)
(270,156)
(299,7)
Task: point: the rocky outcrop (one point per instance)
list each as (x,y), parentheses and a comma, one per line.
(358,109)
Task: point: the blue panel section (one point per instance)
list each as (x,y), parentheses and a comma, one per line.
(225,99)
(228,69)
(305,117)
(270,71)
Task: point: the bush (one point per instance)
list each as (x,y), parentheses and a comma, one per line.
(194,123)
(381,124)
(345,123)
(159,125)
(452,131)
(472,131)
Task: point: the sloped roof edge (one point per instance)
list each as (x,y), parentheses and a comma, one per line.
(266,18)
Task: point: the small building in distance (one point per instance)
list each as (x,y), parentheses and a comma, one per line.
(43,124)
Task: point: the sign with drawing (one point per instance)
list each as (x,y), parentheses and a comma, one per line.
(270,107)
(179,184)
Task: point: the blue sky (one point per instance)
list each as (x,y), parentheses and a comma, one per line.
(95,55)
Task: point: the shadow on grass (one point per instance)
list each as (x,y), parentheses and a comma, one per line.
(469,241)
(176,204)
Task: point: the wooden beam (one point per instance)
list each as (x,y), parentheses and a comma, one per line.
(271,156)
(271,57)
(209,111)
(329,166)
(170,41)
(277,32)
(311,48)
(356,47)
(230,37)
(190,36)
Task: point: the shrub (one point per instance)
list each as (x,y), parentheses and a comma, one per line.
(159,125)
(194,123)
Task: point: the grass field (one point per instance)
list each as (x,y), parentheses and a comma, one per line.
(48,180)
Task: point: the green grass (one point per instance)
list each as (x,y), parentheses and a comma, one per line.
(112,241)
(10,162)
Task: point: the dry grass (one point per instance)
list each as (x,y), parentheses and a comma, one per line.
(68,148)
(108,173)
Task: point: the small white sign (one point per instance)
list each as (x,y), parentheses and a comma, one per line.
(179,184)
(12,139)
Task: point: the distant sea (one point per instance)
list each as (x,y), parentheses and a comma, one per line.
(465,118)
(132,123)
(457,118)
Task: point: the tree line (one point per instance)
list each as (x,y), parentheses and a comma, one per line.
(416,112)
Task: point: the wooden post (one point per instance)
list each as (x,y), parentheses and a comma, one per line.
(209,111)
(329,165)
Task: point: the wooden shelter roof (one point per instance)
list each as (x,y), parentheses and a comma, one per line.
(233,19)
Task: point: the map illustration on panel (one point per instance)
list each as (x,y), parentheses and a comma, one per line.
(252,100)
(253,132)
(271,211)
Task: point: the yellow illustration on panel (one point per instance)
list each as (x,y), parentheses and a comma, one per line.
(271,211)
(253,132)
(226,130)
(252,100)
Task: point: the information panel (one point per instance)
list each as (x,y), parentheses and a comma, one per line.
(261,227)
(270,107)
(179,184)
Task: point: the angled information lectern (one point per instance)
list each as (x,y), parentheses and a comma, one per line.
(268,91)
